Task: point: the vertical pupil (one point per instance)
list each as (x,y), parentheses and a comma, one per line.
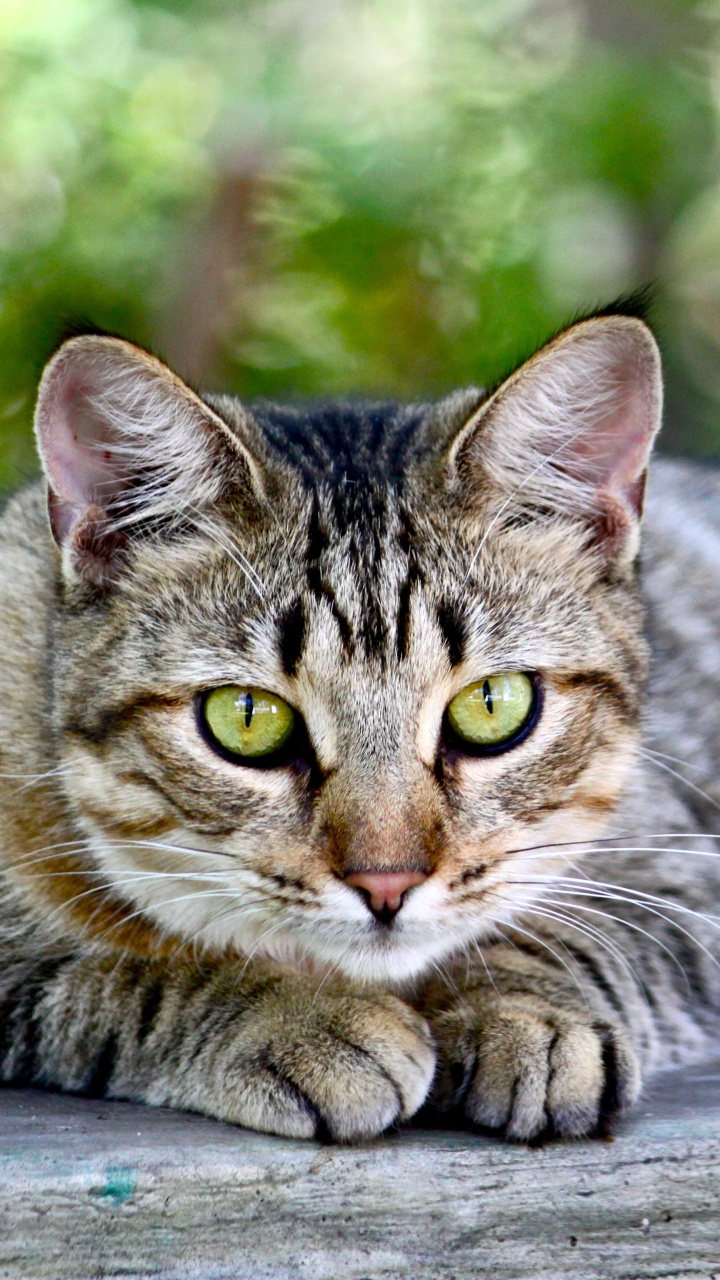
(487,695)
(248,709)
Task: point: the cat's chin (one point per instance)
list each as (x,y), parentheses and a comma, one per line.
(388,962)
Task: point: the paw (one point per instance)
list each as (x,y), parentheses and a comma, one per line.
(519,1064)
(335,1063)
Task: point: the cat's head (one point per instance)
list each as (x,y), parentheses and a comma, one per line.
(339,683)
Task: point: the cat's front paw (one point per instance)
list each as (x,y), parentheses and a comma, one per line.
(340,1063)
(519,1064)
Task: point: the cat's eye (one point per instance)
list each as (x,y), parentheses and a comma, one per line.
(496,712)
(247,722)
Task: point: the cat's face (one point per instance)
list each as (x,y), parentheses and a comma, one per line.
(366,598)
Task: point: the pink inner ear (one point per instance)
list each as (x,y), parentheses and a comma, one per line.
(77,444)
(612,454)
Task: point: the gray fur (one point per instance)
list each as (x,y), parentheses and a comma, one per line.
(178,930)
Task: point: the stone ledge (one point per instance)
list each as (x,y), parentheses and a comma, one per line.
(93,1189)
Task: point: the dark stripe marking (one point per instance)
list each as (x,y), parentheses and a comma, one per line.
(454,631)
(292,637)
(115,718)
(98,1081)
(690,961)
(610,1101)
(364,1053)
(607,686)
(151,1002)
(317,543)
(593,970)
(402,633)
(301,1100)
(322,591)
(20,1022)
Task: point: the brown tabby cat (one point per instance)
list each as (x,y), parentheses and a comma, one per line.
(309,719)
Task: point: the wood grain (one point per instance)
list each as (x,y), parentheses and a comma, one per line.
(108,1190)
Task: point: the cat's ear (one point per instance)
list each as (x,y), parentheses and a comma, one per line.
(569,434)
(123,440)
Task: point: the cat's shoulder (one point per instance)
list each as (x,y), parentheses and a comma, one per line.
(28,570)
(682,527)
(26,549)
(683,487)
(24,520)
(681,580)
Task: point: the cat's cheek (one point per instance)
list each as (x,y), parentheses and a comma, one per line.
(581,781)
(110,801)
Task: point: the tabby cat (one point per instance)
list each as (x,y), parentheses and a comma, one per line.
(333,784)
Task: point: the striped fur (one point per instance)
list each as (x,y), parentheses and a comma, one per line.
(177,929)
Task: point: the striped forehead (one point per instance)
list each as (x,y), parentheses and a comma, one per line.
(364,570)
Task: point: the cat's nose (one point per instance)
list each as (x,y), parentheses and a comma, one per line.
(384,891)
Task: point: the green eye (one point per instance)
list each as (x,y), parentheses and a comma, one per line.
(494,710)
(247,721)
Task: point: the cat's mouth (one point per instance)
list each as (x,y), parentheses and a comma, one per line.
(387,945)
(390,955)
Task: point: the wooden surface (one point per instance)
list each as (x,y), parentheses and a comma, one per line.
(93,1189)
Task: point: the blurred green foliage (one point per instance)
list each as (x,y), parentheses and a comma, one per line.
(300,197)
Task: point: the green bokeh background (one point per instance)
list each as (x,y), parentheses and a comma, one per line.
(303,197)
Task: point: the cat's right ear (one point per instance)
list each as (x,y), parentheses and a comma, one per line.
(122,441)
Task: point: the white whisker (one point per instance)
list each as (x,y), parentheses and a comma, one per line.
(541,942)
(550,457)
(660,764)
(593,934)
(222,539)
(629,901)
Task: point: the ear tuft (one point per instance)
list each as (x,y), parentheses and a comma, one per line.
(569,434)
(124,441)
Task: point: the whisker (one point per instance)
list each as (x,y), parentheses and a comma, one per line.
(486,966)
(187,897)
(541,942)
(632,924)
(591,842)
(85,845)
(592,933)
(628,924)
(664,756)
(259,942)
(102,888)
(174,848)
(330,974)
(537,907)
(52,851)
(638,897)
(253,907)
(596,935)
(221,538)
(35,779)
(659,764)
(131,877)
(513,495)
(540,851)
(447,977)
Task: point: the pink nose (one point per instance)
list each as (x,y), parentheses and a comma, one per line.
(385,888)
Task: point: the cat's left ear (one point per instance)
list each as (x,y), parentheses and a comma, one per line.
(569,434)
(124,441)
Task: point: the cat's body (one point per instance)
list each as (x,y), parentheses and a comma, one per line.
(316,939)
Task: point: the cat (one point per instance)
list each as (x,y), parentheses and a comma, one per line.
(342,775)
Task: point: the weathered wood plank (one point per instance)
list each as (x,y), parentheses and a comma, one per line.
(109,1190)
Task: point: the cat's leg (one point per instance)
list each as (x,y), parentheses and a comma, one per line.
(246,1044)
(534,1042)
